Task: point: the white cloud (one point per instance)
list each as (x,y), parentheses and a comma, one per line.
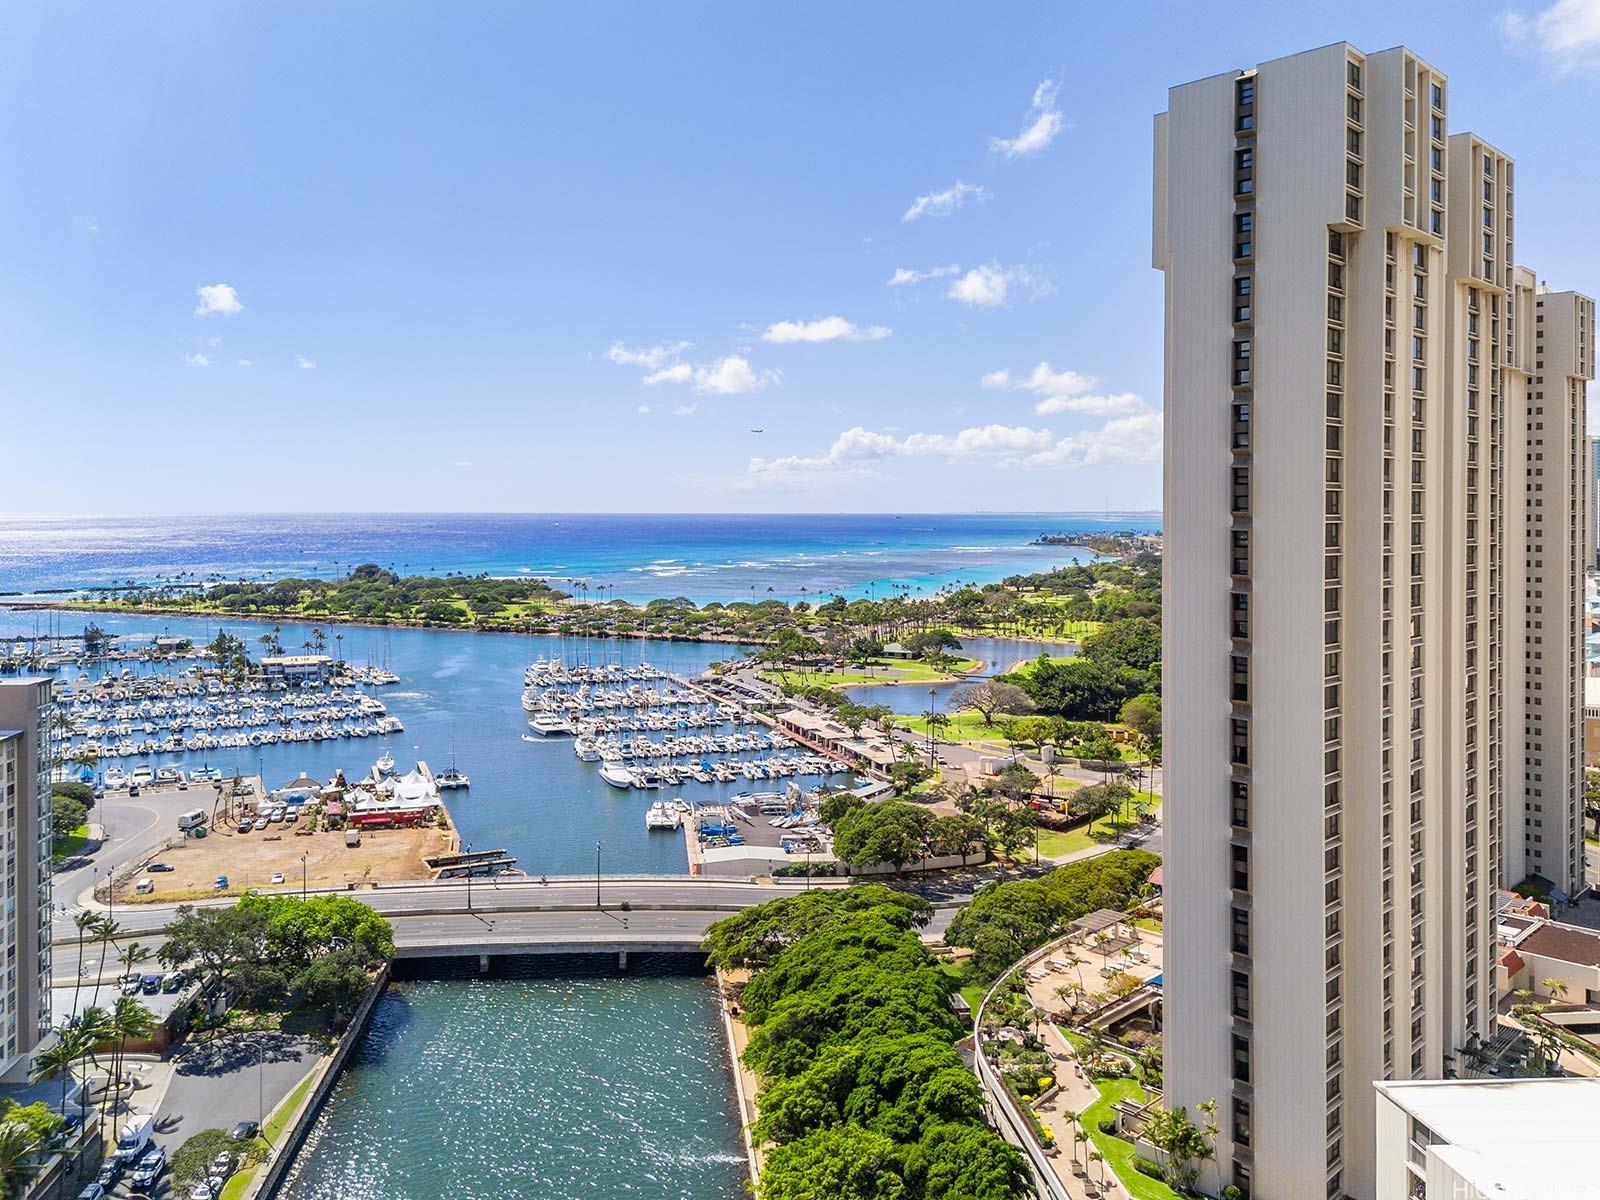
(824,329)
(942,204)
(855,450)
(87,224)
(196,360)
(989,286)
(213,342)
(905,275)
(1043,123)
(1064,392)
(1098,405)
(1566,36)
(304,363)
(462,463)
(217,298)
(247,362)
(1124,441)
(676,373)
(644,408)
(686,410)
(652,358)
(732,376)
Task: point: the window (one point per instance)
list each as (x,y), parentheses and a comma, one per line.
(1354,69)
(1247,92)
(1438,97)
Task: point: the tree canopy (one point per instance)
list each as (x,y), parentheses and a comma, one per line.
(863,1093)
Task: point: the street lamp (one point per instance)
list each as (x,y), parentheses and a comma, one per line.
(303,858)
(931,714)
(597,875)
(261,1089)
(466,850)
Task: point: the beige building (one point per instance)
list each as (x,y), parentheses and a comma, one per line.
(1350,358)
(25,921)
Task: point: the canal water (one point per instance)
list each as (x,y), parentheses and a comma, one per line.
(533,1084)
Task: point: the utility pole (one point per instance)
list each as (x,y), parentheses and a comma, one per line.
(466,849)
(597,875)
(303,858)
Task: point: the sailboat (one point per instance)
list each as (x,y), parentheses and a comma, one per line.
(452,776)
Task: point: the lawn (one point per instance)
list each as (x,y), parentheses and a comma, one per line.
(965,726)
(66,847)
(1056,845)
(971,992)
(877,670)
(1119,1154)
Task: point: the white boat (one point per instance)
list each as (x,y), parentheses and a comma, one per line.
(662,815)
(116,778)
(390,725)
(451,777)
(617,773)
(548,724)
(588,749)
(384,765)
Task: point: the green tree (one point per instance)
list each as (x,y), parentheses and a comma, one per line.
(893,832)
(1131,642)
(842,1162)
(19,1147)
(66,815)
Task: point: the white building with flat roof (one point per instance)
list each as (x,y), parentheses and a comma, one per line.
(1488,1139)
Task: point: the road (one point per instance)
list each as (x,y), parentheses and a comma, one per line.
(428,914)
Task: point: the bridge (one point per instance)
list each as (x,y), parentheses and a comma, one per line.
(570,915)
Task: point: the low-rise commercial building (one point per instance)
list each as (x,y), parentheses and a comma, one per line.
(1487,1139)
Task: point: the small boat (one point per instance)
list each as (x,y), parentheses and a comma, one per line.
(452,776)
(548,724)
(617,773)
(662,815)
(384,765)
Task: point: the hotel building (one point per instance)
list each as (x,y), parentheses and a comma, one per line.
(25,920)
(1357,544)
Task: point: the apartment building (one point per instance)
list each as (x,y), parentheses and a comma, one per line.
(1592,464)
(1350,356)
(25,921)
(1556,495)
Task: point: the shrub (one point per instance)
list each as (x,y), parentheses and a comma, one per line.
(1145,1167)
(1108,1125)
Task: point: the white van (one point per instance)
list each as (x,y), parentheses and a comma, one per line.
(135,1137)
(192,818)
(144,887)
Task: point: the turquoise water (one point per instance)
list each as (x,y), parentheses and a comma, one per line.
(637,556)
(577,1086)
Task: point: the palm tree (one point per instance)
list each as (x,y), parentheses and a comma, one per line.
(19,1148)
(84,921)
(129,1019)
(109,931)
(56,1061)
(1071,1118)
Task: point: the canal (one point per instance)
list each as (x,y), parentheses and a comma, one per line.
(554,1081)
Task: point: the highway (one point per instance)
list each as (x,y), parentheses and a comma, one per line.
(527,912)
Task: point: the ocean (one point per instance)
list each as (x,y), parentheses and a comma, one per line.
(629,557)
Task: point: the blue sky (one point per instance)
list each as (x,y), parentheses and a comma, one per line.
(455,243)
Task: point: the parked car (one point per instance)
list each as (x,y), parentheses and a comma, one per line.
(202,1191)
(160,867)
(151,984)
(220,883)
(172,981)
(277,877)
(149,1170)
(244,1131)
(130,986)
(261,823)
(109,1174)
(92,1191)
